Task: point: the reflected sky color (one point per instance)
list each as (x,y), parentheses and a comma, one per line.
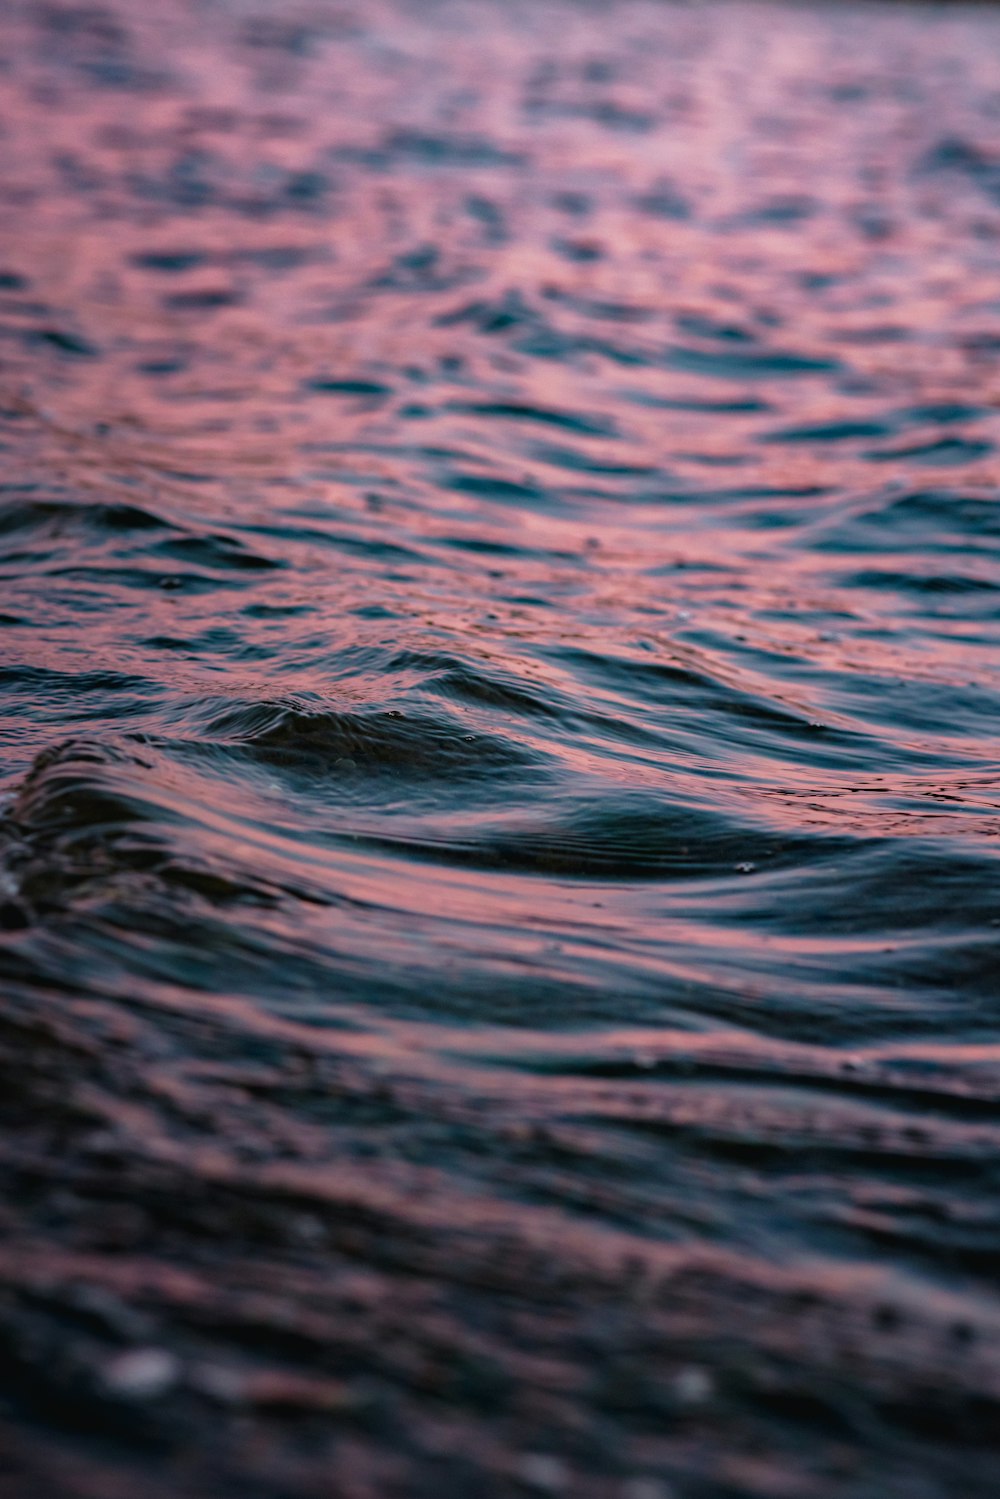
(499,603)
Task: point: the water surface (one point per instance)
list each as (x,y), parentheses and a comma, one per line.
(498,871)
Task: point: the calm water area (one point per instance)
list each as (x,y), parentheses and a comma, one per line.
(499,763)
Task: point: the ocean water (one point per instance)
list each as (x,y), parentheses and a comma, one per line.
(499,775)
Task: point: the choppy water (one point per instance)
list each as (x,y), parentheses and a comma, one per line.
(499,751)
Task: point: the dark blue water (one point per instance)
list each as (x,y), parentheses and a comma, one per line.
(499,605)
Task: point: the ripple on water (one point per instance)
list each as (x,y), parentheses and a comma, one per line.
(499,790)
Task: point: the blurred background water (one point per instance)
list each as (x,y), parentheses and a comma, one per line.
(498,871)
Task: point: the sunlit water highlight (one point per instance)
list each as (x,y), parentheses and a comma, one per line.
(498,879)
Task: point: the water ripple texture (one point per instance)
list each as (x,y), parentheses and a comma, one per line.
(499,776)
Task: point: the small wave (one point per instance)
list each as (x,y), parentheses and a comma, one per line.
(499,798)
